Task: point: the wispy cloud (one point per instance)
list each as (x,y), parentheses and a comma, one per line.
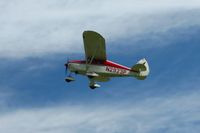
(35,28)
(179,113)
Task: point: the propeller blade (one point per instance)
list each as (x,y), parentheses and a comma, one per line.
(66,67)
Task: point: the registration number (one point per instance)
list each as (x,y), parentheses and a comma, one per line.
(115,70)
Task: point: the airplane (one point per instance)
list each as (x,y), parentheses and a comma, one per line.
(97,67)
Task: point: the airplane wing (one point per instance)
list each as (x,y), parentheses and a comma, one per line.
(94,45)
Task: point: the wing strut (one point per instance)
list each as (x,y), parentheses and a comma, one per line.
(87,67)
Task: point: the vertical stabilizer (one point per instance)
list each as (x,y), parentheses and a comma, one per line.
(143,68)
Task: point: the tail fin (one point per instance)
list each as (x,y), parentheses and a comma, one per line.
(143,68)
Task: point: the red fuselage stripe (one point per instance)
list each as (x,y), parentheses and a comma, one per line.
(104,63)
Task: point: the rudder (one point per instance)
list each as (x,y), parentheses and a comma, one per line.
(143,68)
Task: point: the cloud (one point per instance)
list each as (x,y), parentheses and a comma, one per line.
(36,28)
(162,103)
(177,113)
(6,95)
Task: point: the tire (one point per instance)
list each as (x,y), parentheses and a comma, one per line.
(92,87)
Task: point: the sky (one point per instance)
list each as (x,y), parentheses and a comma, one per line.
(37,37)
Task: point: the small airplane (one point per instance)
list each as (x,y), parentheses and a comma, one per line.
(96,66)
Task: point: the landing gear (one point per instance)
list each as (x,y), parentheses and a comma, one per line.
(69,79)
(92,84)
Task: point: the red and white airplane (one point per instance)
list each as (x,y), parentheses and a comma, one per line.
(96,66)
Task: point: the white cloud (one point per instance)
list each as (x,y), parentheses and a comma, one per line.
(178,113)
(35,28)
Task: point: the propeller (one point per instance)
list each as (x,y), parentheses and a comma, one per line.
(66,67)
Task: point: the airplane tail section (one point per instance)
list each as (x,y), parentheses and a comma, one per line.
(143,68)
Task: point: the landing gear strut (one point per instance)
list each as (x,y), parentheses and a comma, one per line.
(69,78)
(92,84)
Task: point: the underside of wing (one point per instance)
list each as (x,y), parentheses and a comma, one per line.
(101,79)
(94,45)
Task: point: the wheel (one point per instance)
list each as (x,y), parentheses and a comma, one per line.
(69,79)
(92,87)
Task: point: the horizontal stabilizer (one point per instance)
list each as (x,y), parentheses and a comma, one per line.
(139,67)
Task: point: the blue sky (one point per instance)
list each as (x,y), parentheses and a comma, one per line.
(37,37)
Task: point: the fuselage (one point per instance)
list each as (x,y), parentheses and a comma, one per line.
(102,68)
